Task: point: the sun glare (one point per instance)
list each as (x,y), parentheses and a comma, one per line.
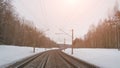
(72,2)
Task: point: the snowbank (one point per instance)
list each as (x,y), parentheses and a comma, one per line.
(10,54)
(104,58)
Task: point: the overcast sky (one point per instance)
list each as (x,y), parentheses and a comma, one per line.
(65,15)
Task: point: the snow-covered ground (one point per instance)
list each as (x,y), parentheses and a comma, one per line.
(10,54)
(104,58)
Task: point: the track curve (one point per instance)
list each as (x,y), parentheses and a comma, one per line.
(51,59)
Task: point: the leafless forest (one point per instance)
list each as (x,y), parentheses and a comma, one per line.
(15,30)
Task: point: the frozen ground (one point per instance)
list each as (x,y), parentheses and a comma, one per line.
(10,54)
(104,58)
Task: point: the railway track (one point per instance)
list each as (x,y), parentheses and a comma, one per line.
(51,59)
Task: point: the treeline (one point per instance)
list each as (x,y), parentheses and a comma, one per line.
(17,31)
(105,35)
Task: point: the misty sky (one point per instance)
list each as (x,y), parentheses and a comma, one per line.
(65,15)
